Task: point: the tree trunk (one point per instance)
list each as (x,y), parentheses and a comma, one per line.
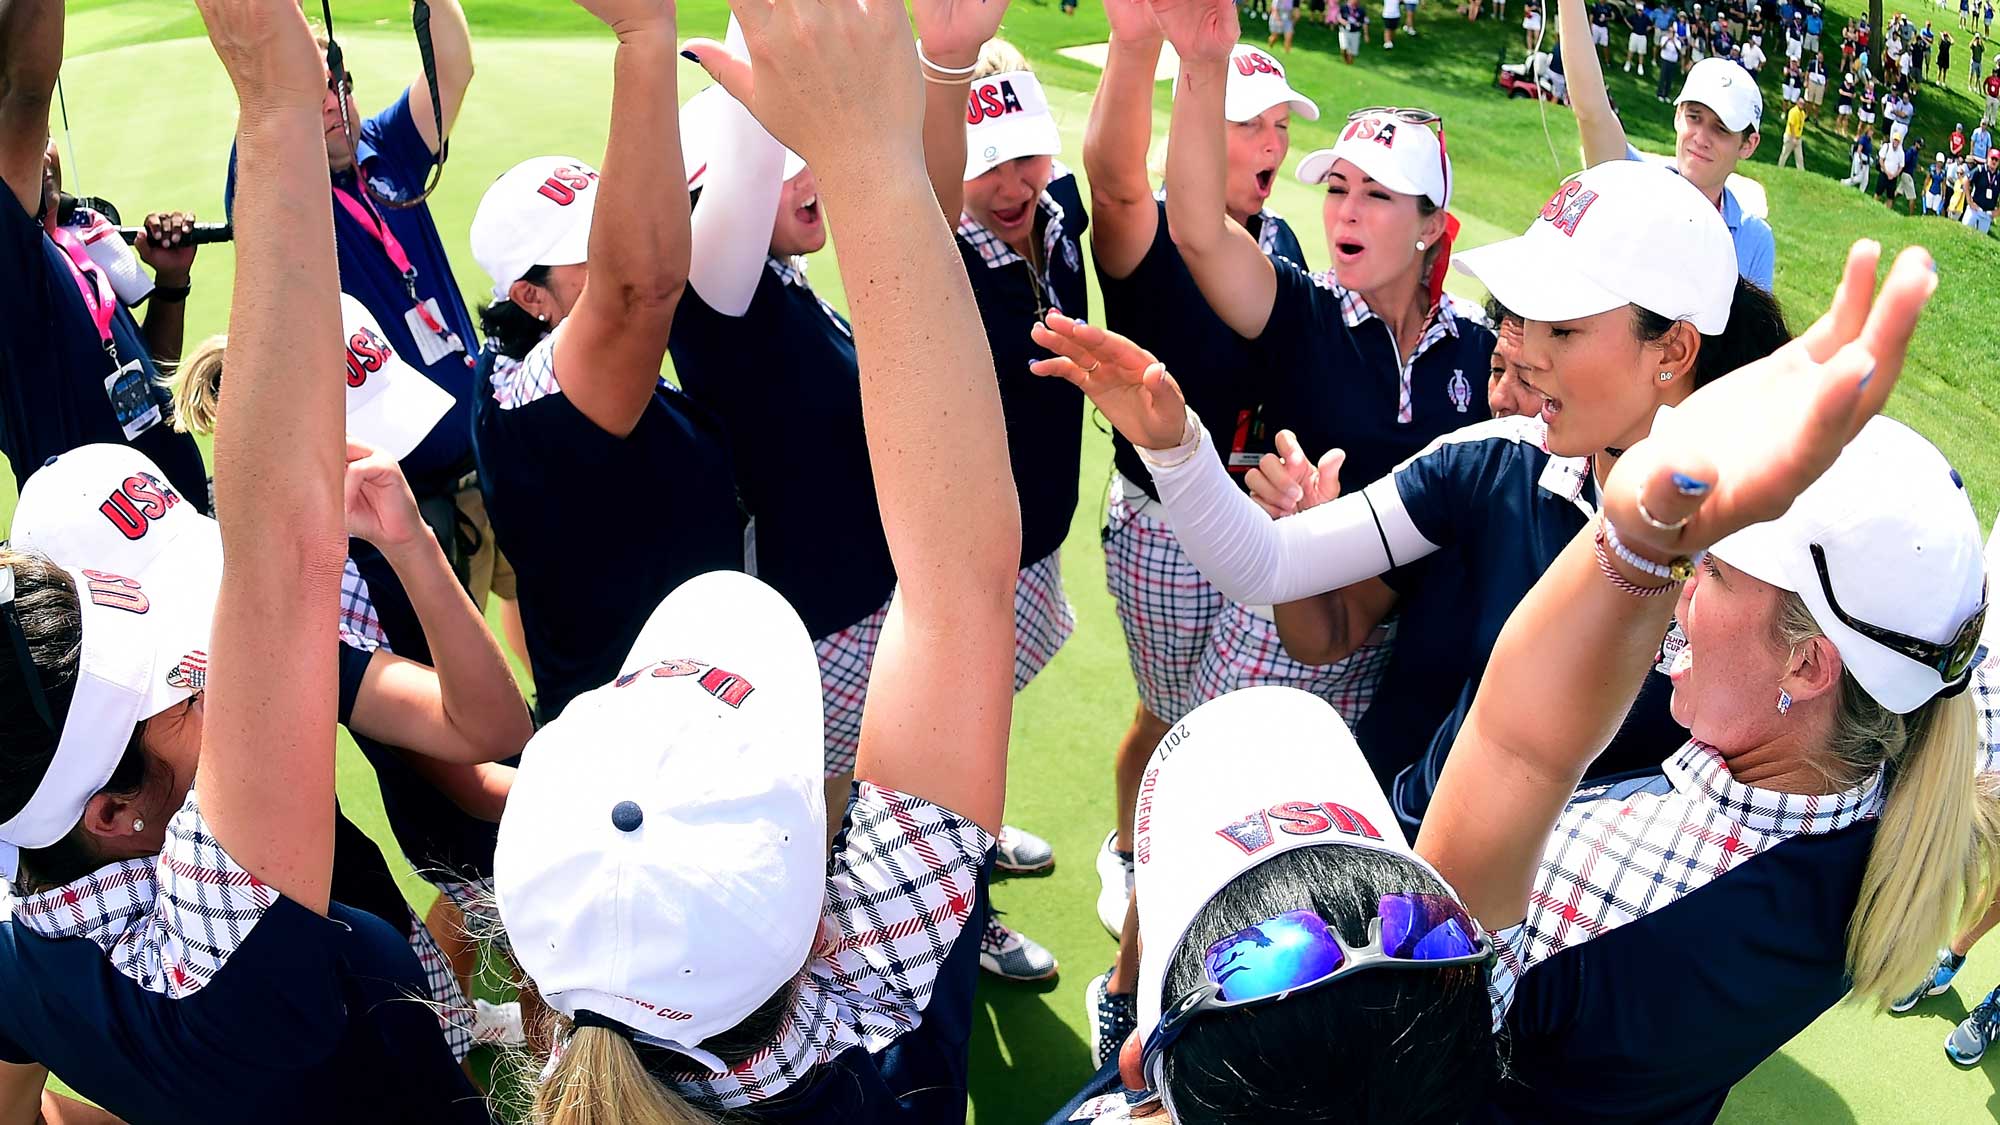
(1877,39)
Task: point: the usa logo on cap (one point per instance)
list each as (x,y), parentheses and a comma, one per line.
(1565,209)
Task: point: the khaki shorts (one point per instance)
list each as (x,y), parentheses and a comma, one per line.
(490,572)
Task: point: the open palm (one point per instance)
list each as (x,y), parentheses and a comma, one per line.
(1130,387)
(1131,20)
(1198,29)
(1740,450)
(955,27)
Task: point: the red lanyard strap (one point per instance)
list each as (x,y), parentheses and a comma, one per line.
(90,283)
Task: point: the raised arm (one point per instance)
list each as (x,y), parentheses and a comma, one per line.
(608,351)
(451,39)
(1123,216)
(1603,133)
(265,781)
(941,696)
(31,47)
(1735,453)
(739,199)
(952,32)
(1237,279)
(466,709)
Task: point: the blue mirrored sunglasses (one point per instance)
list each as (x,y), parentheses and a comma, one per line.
(1297,952)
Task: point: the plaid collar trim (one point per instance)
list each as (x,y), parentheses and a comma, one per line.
(1354,312)
(100,906)
(1698,772)
(791,271)
(1267,225)
(995,252)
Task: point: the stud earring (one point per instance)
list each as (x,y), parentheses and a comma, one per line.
(138,826)
(1784,702)
(1666,376)
(1420,244)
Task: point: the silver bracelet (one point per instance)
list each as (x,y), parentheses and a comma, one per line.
(1191,433)
(953,71)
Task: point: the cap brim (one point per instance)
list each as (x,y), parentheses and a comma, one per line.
(1010,138)
(1518,274)
(401,415)
(1315,166)
(1240,110)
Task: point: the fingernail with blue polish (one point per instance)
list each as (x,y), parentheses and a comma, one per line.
(1866,378)
(691,57)
(1689,486)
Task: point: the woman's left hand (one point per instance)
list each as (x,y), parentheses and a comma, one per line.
(954,30)
(380,506)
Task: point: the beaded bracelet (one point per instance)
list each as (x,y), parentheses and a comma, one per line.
(1611,573)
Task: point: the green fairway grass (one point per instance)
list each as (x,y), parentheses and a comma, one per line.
(152,116)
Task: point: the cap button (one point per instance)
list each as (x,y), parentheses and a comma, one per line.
(626,816)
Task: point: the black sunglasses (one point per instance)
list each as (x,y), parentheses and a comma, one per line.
(1952,661)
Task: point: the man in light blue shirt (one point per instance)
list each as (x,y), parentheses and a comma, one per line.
(1982,142)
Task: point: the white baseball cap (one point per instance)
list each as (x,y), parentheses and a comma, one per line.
(1007,117)
(1403,156)
(1725,87)
(1893,532)
(662,859)
(1624,232)
(1256,83)
(147,567)
(1243,779)
(390,405)
(1991,635)
(536,214)
(702,121)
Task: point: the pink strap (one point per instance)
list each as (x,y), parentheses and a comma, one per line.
(90,282)
(364,213)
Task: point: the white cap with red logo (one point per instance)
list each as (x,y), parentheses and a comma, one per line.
(1006,118)
(1725,87)
(1626,232)
(701,121)
(147,568)
(1401,155)
(536,214)
(1243,779)
(391,406)
(1256,83)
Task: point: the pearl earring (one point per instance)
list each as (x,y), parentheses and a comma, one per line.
(138,826)
(1420,244)
(1784,702)
(1666,376)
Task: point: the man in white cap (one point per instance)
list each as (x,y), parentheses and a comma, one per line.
(1717,122)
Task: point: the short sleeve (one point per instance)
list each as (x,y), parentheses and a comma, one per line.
(1445,488)
(1756,252)
(401,156)
(206,908)
(898,894)
(354,662)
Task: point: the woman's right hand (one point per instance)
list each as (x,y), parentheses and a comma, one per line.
(1286,483)
(267,48)
(1200,30)
(1132,21)
(1130,387)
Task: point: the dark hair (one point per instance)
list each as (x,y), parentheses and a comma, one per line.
(511,329)
(1497,312)
(1756,329)
(45,603)
(1379,1046)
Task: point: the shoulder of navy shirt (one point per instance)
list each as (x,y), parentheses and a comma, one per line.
(53,366)
(1044,416)
(1590,1036)
(1160,307)
(783,376)
(600,528)
(392,154)
(302,1006)
(1337,386)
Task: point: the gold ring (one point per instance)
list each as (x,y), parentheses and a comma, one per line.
(1640,502)
(1092,369)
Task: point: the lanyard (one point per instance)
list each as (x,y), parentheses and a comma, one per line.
(91,283)
(364,212)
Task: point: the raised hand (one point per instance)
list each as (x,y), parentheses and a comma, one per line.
(956,29)
(380,506)
(165,246)
(268,50)
(1198,29)
(829,78)
(1740,450)
(1286,483)
(1132,20)
(1130,387)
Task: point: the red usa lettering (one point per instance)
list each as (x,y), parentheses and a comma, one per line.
(1253,62)
(1259,829)
(565,183)
(1566,207)
(724,685)
(1380,130)
(140,499)
(990,101)
(366,353)
(115,591)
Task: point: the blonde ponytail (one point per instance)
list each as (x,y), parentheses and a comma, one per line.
(196,386)
(599,1080)
(1931,871)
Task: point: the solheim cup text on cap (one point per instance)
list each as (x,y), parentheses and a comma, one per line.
(536,214)
(1403,156)
(1256,82)
(1007,117)
(1623,233)
(390,406)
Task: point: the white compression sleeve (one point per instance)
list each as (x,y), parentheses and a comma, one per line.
(731,227)
(1257,560)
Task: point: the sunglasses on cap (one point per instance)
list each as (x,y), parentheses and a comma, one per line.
(1952,660)
(1297,952)
(1411,116)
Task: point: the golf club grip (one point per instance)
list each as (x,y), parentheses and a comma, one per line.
(200,235)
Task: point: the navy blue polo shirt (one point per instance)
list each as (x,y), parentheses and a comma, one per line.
(1500,508)
(783,377)
(53,365)
(1339,386)
(311,1019)
(1160,307)
(393,155)
(599,528)
(1044,416)
(1656,1019)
